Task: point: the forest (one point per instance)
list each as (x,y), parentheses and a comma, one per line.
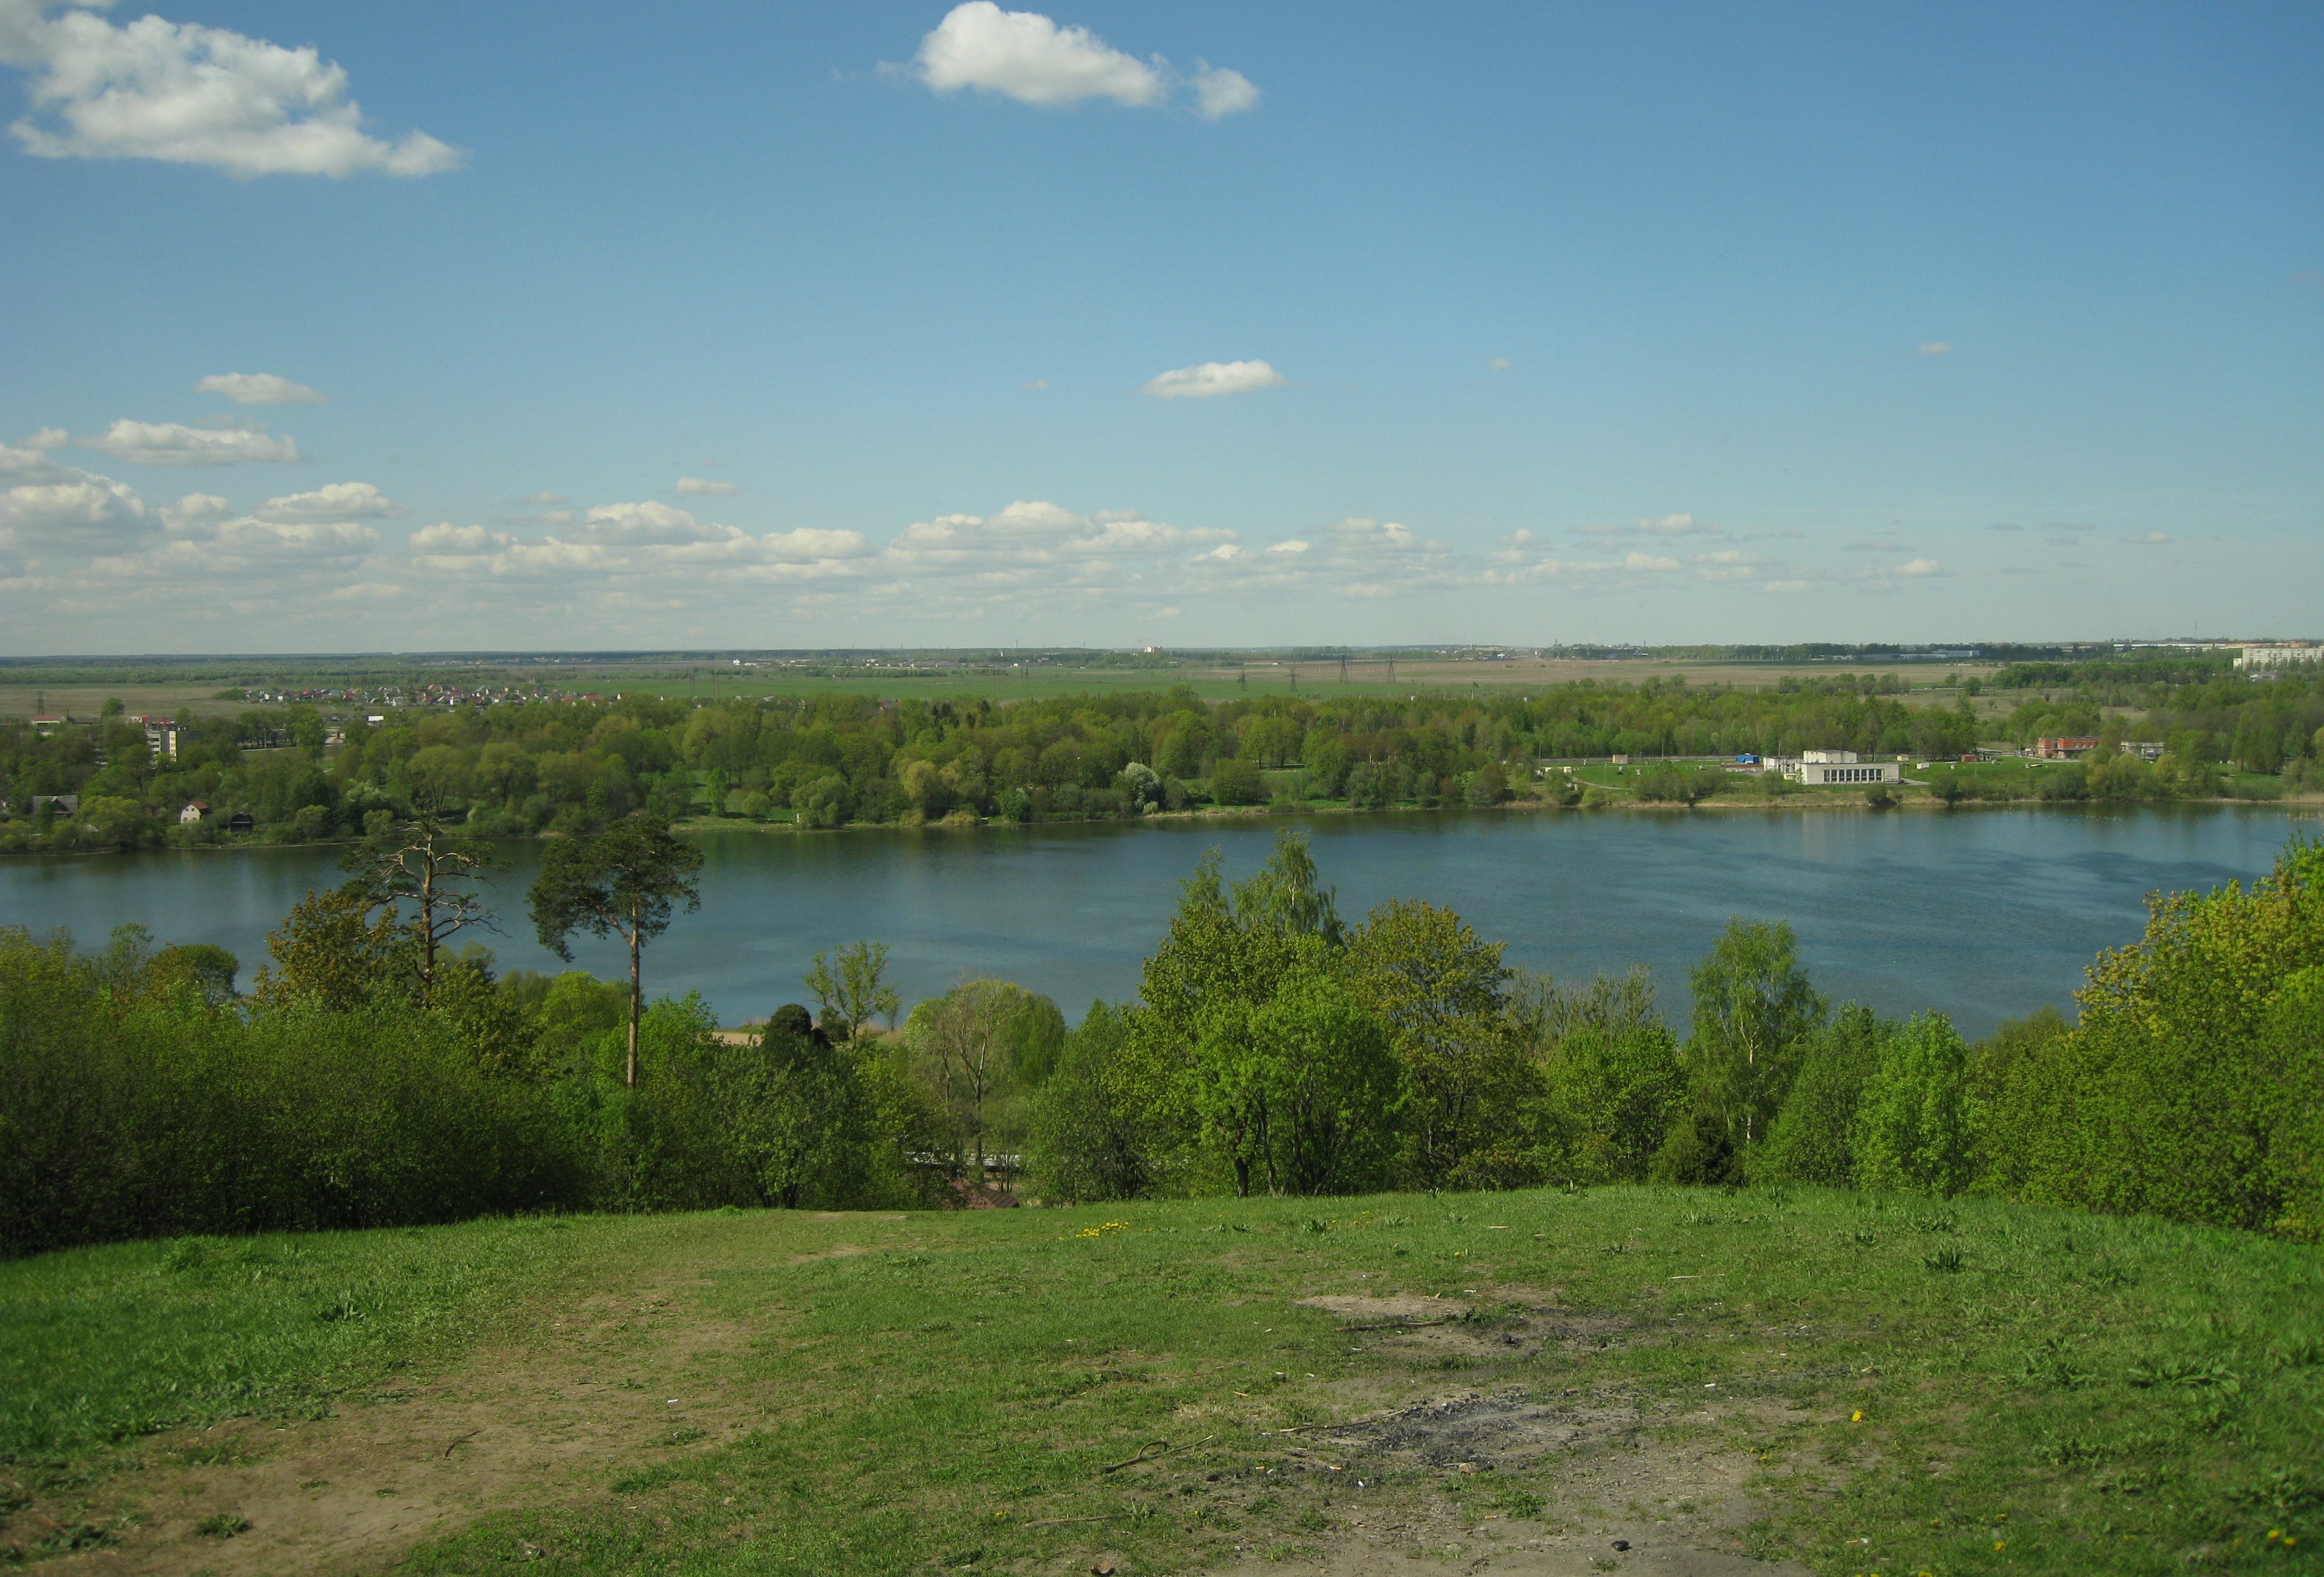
(377,1074)
(518,767)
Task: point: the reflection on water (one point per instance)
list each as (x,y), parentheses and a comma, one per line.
(1983,914)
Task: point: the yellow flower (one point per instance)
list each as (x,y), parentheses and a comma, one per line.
(2000,1545)
(1857,1416)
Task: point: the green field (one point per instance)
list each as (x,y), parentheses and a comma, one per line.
(1852,1383)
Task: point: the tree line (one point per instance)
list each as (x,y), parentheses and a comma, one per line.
(379,1071)
(524,768)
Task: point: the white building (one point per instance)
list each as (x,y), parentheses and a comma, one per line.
(2266,656)
(1824,769)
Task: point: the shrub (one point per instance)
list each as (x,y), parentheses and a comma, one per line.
(1913,1128)
(1236,781)
(1488,785)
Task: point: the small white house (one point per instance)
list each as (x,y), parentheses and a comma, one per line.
(193,812)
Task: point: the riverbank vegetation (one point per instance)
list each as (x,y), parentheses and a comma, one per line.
(517,768)
(1275,1046)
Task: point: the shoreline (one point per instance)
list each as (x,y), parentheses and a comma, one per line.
(2296,806)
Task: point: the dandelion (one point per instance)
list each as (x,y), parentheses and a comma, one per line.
(1857,1416)
(2000,1545)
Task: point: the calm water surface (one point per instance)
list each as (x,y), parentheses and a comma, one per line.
(1986,915)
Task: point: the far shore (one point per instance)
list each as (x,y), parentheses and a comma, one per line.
(2296,805)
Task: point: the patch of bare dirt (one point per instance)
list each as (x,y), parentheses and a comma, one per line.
(615,1378)
(1550,1485)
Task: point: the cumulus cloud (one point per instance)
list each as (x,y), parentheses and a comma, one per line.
(339,500)
(1638,561)
(2148,538)
(1498,364)
(1219,92)
(637,539)
(1206,380)
(1028,57)
(79,512)
(170,443)
(259,388)
(30,461)
(696,487)
(541,500)
(1919,566)
(1935,347)
(185,94)
(1035,543)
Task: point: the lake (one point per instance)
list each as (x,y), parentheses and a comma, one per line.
(1984,914)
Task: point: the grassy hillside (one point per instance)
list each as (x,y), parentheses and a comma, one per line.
(1852,1383)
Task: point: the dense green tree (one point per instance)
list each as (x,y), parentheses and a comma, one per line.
(1753,1008)
(1299,1093)
(1087,1141)
(1440,992)
(1815,1136)
(1915,1127)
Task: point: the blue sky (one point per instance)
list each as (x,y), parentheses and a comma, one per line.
(896,324)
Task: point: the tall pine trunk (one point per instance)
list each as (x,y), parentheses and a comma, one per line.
(637,1000)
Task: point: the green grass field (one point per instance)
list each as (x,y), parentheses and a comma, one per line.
(1853,1384)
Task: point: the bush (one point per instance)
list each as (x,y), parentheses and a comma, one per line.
(1085,1141)
(1488,785)
(825,802)
(2191,1086)
(167,1116)
(1913,1128)
(1236,781)
(1813,1138)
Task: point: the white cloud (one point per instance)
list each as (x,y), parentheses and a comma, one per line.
(1498,364)
(1935,347)
(696,487)
(2148,538)
(199,506)
(1638,560)
(170,443)
(1029,57)
(85,511)
(541,500)
(1921,567)
(638,539)
(1728,564)
(186,94)
(1219,92)
(30,461)
(1036,385)
(1207,379)
(339,500)
(1787,587)
(259,388)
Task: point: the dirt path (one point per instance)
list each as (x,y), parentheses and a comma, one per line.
(626,1376)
